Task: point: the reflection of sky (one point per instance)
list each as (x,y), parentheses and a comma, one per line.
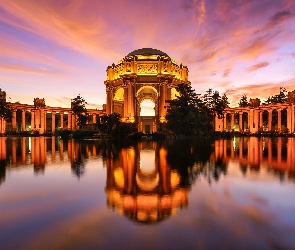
(56,210)
(147,160)
(234,47)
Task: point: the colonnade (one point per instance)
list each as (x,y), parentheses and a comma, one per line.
(254,119)
(40,116)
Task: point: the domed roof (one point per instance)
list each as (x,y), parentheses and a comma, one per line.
(147,51)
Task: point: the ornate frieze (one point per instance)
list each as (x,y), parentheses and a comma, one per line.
(147,68)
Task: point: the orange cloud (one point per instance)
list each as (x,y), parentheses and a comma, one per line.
(257,66)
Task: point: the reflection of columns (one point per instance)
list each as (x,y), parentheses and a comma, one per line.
(23,120)
(61,150)
(290,152)
(61,117)
(13,152)
(269,120)
(53,148)
(13,121)
(241,121)
(128,169)
(279,120)
(164,171)
(279,153)
(269,146)
(3,150)
(23,147)
(253,151)
(53,121)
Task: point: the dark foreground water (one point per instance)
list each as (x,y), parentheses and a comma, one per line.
(228,194)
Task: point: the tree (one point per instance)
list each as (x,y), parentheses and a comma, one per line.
(108,123)
(5,109)
(191,113)
(244,101)
(78,105)
(279,98)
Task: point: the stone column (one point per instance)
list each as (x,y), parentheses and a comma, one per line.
(241,121)
(260,119)
(37,119)
(23,120)
(232,120)
(126,102)
(256,121)
(53,121)
(224,122)
(292,118)
(1,125)
(61,115)
(45,121)
(13,122)
(269,120)
(42,128)
(32,119)
(131,102)
(289,119)
(251,121)
(70,120)
(279,120)
(74,123)
(109,104)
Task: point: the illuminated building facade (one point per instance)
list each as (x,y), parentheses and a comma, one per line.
(144,74)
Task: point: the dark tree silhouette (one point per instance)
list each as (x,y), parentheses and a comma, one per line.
(78,105)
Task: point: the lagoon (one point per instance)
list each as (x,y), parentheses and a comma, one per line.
(191,194)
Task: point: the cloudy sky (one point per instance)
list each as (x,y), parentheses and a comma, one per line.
(57,49)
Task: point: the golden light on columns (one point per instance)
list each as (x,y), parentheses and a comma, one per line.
(144,74)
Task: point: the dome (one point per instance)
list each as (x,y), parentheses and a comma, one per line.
(147,51)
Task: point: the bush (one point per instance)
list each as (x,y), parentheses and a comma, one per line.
(65,133)
(83,133)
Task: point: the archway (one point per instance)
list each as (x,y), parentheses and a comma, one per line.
(147,108)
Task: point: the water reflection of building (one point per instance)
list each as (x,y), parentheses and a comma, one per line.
(277,153)
(141,185)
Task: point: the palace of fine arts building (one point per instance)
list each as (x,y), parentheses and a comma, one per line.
(148,74)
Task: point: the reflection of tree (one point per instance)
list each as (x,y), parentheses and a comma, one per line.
(192,160)
(2,171)
(77,162)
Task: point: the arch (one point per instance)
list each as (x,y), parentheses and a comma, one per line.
(119,94)
(143,88)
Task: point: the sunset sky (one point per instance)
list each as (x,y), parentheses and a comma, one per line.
(57,49)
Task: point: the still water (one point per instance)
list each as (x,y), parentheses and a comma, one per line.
(227,194)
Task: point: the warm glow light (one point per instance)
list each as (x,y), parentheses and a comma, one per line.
(147,108)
